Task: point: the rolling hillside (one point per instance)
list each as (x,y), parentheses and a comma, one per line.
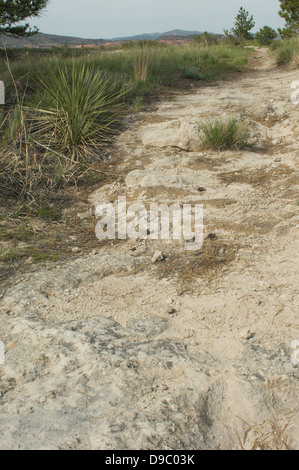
(42,40)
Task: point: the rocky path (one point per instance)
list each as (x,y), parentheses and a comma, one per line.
(113,351)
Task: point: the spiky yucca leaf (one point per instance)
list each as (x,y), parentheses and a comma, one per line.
(77,109)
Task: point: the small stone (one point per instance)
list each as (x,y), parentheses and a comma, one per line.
(246,334)
(171,311)
(212,236)
(139,250)
(158,256)
(75,249)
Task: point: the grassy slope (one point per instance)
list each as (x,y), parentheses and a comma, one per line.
(164,65)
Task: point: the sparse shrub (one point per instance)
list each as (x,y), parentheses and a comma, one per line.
(138,103)
(232,41)
(224,134)
(206,39)
(288,52)
(194,73)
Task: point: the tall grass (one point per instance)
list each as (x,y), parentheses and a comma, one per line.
(141,69)
(141,58)
(287,52)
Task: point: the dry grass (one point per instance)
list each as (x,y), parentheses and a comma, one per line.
(208,262)
(141,60)
(260,177)
(271,434)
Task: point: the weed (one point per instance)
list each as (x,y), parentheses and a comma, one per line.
(22,234)
(194,73)
(49,213)
(8,256)
(138,103)
(39,257)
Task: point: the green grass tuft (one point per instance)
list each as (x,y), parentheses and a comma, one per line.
(224,134)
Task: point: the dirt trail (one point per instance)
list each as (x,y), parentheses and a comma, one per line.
(194,352)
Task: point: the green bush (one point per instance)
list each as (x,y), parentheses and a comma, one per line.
(194,73)
(287,52)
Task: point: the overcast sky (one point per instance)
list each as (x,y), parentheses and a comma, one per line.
(112,18)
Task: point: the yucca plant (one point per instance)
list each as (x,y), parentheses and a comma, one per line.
(77,109)
(224,134)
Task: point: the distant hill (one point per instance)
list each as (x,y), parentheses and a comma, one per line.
(42,40)
(176,32)
(49,40)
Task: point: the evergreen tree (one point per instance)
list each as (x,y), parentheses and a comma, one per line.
(243,25)
(12,12)
(289,10)
(265,35)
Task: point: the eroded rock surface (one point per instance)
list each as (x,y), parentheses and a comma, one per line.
(114,351)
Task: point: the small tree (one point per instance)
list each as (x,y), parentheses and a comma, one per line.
(13,12)
(289,10)
(243,25)
(265,35)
